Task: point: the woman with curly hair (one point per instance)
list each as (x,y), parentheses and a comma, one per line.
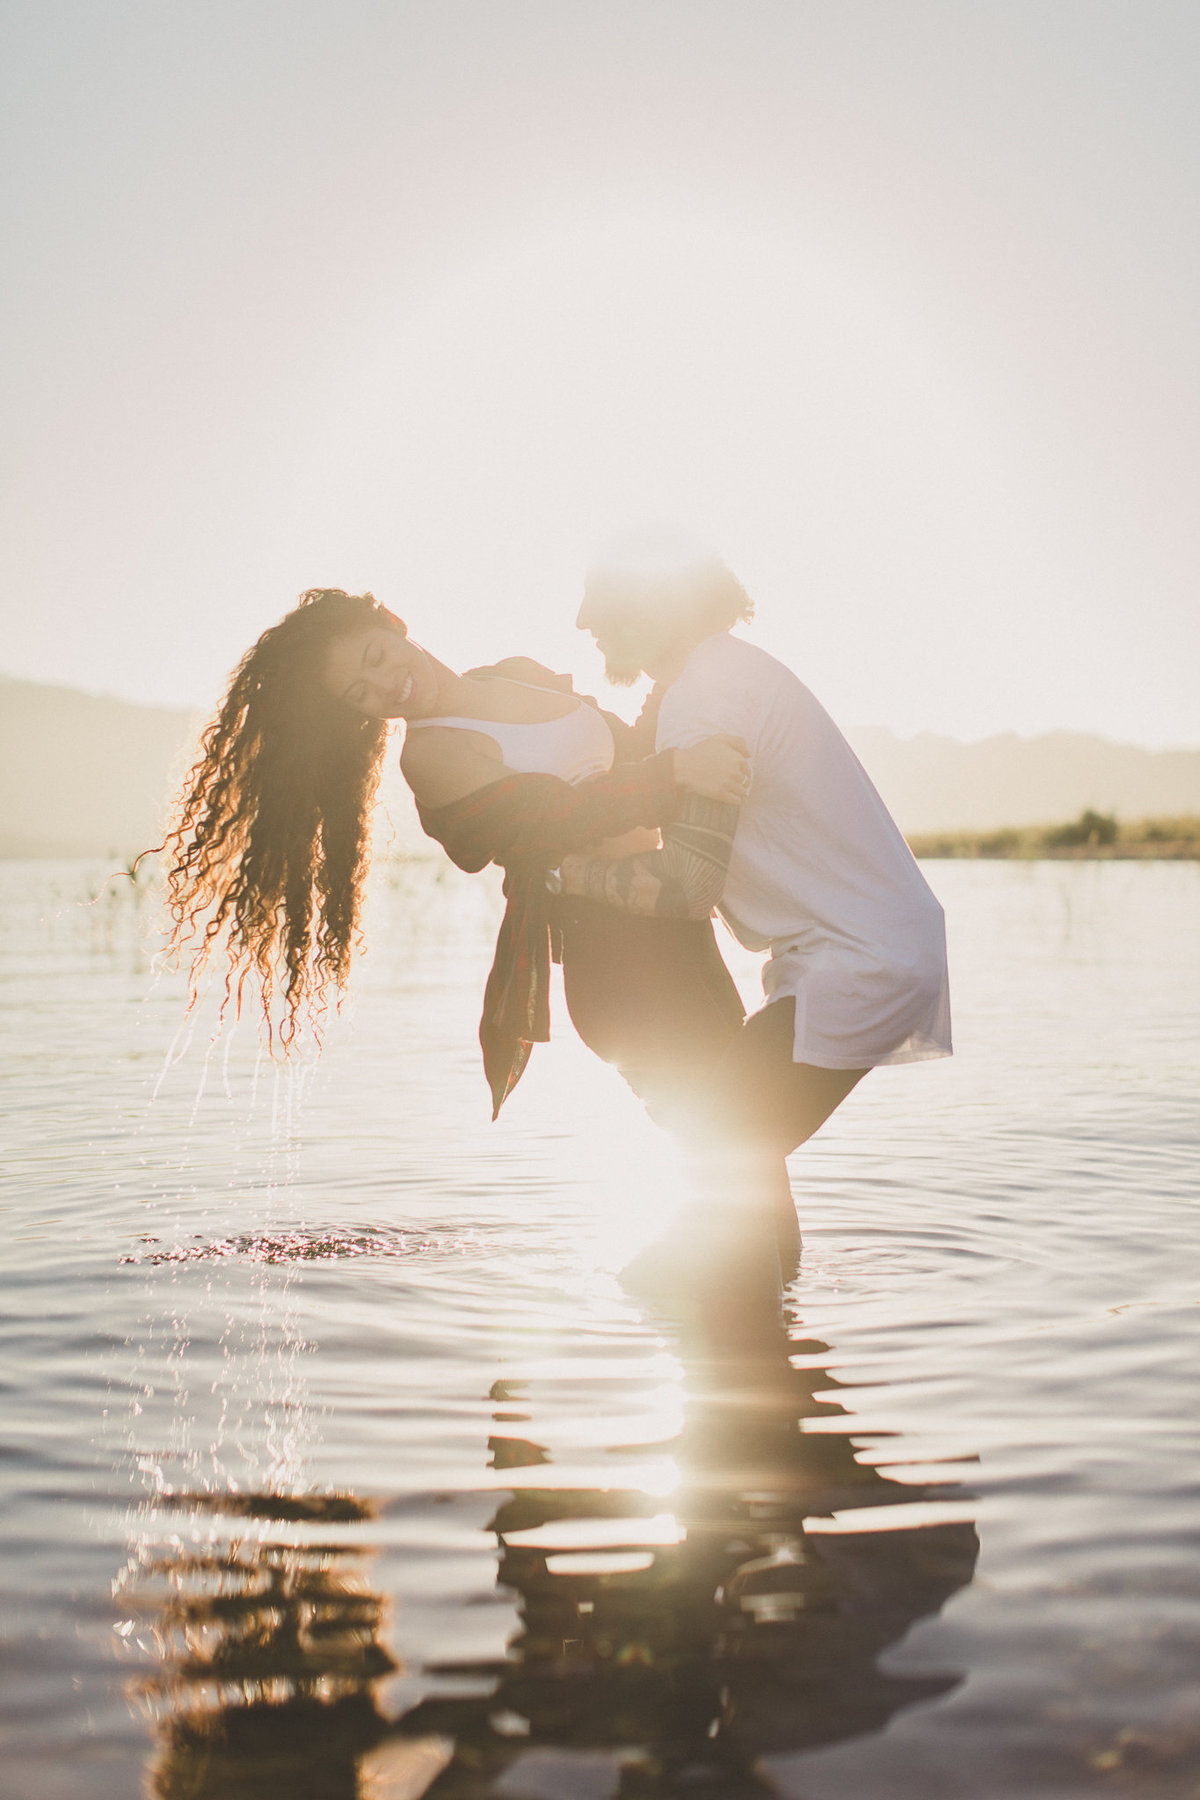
(271,844)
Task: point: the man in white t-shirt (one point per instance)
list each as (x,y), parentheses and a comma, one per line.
(811,868)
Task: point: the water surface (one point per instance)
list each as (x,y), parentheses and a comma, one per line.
(334,1459)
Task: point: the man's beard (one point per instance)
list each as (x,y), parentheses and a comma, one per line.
(621,674)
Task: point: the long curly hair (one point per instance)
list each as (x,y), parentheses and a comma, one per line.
(270,841)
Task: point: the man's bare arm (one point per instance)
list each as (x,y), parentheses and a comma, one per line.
(683,880)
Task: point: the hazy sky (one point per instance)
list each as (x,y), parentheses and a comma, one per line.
(896,299)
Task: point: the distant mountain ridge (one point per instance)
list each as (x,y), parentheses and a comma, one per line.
(941,784)
(84,775)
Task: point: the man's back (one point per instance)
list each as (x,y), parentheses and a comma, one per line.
(819,873)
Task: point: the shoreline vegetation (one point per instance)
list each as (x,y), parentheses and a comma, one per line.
(1093,836)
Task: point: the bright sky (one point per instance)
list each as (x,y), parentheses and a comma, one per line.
(897,300)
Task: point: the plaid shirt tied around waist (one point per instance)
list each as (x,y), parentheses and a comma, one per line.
(527,824)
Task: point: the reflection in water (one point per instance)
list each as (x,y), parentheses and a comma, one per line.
(269,1652)
(681,1647)
(691,1645)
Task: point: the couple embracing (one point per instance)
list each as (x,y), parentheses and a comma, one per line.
(735,792)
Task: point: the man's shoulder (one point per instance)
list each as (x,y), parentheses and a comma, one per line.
(728,659)
(730,685)
(718,689)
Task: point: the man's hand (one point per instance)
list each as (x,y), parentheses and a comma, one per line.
(717,768)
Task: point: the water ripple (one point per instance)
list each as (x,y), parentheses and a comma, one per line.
(300,1246)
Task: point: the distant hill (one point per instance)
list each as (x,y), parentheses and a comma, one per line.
(81,775)
(85,775)
(940,784)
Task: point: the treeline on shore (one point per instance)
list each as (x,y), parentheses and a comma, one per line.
(1091,835)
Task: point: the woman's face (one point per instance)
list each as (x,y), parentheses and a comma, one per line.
(382,673)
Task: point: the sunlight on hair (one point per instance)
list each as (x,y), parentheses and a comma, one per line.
(653,551)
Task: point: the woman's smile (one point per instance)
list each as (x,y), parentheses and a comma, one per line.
(382,673)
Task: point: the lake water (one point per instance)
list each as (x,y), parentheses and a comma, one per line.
(334,1459)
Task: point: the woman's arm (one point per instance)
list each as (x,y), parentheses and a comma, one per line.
(481,814)
(538,818)
(442,764)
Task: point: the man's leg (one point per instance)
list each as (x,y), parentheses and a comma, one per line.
(763,1105)
(760,1095)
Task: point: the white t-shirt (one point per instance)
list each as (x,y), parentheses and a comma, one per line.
(820,875)
(575,745)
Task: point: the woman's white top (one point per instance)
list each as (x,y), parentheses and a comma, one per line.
(572,747)
(820,875)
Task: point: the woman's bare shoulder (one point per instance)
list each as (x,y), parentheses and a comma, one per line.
(444,763)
